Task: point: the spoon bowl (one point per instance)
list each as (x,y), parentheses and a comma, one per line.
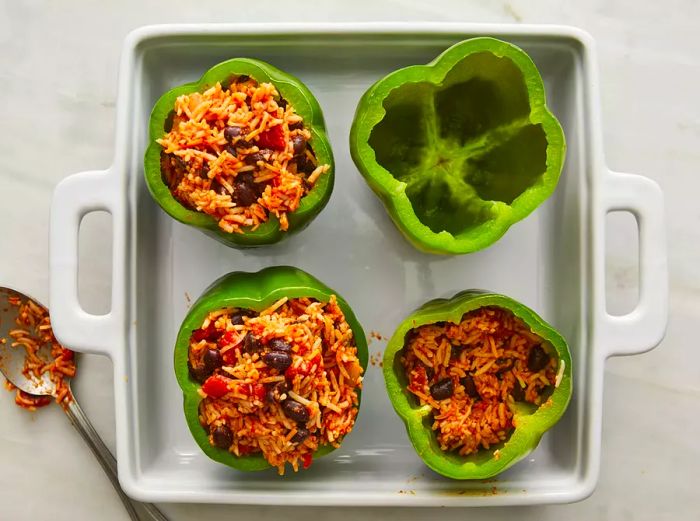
(12,358)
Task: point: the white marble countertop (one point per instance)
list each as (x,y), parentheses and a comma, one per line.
(58,73)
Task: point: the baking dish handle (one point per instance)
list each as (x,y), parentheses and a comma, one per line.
(74,197)
(644,327)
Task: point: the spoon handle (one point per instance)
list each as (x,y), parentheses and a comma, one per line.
(108,463)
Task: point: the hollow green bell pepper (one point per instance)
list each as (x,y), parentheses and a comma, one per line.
(530,421)
(305,104)
(459,149)
(255,291)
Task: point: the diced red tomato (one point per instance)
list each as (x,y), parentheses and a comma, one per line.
(290,373)
(481,405)
(304,368)
(245,449)
(216,386)
(317,361)
(257,390)
(257,329)
(306,460)
(229,337)
(272,138)
(66,354)
(209,333)
(229,356)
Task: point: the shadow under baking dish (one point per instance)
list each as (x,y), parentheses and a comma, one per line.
(354,248)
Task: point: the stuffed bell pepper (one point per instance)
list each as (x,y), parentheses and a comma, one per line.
(242,154)
(270,364)
(477,379)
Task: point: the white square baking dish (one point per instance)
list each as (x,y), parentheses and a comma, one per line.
(553,261)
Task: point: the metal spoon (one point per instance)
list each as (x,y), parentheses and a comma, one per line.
(11,365)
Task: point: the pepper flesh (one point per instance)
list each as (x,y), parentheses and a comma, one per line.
(530,424)
(253,291)
(304,103)
(460,149)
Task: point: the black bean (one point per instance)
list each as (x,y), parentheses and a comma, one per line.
(243,143)
(253,158)
(282,103)
(469,386)
(537,360)
(244,195)
(243,78)
(222,436)
(237,318)
(296,126)
(231,133)
(181,163)
(251,344)
(199,375)
(429,373)
(219,188)
(212,360)
(275,391)
(518,393)
(503,365)
(299,144)
(246,178)
(277,360)
(304,165)
(295,411)
(443,389)
(301,435)
(277,344)
(204,170)
(244,190)
(172,169)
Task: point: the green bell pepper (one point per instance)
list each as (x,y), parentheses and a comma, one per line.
(305,104)
(459,149)
(530,421)
(255,291)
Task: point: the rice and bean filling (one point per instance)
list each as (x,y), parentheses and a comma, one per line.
(238,152)
(472,373)
(279,383)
